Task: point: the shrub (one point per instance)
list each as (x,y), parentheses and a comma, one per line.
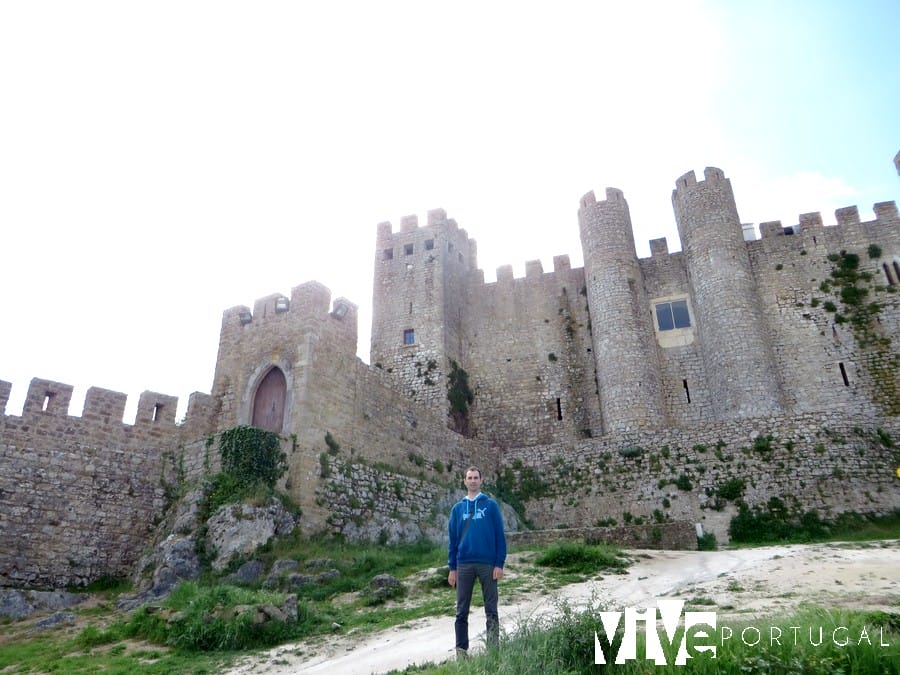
(731,489)
(763,443)
(707,542)
(199,620)
(684,483)
(631,451)
(581,558)
(774,523)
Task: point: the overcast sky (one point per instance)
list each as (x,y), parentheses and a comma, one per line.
(161,161)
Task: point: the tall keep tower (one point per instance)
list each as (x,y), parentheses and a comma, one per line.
(628,378)
(418,303)
(743,380)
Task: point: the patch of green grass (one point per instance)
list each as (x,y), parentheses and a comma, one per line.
(53,652)
(200,620)
(582,558)
(565,645)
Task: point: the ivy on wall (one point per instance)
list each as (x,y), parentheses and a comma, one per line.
(251,455)
(853,289)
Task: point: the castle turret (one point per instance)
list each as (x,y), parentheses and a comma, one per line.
(743,380)
(628,377)
(418,303)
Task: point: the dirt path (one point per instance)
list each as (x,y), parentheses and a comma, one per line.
(764,580)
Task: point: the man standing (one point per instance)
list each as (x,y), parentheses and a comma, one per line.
(477,550)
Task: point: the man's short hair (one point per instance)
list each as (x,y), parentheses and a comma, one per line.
(474,468)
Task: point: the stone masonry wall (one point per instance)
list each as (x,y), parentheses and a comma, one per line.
(530,360)
(810,345)
(828,462)
(79,495)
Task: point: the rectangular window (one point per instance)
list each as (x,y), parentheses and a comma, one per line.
(671,315)
(429,244)
(409,336)
(408,249)
(387,254)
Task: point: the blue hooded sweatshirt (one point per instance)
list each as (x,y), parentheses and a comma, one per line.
(484,541)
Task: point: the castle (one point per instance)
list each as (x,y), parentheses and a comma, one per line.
(629,390)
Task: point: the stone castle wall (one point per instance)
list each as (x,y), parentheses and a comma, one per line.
(79,495)
(828,462)
(546,365)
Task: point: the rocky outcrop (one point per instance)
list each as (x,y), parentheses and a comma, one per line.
(237,530)
(233,531)
(21,604)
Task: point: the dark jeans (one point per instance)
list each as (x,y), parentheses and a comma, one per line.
(466,573)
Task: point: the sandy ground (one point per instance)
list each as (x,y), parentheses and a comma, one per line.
(756,582)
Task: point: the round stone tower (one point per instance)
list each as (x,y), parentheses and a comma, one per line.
(628,379)
(738,359)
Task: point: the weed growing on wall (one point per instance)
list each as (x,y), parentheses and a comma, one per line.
(518,484)
(333,446)
(460,396)
(853,289)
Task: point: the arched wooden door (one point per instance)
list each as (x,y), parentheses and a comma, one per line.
(268,404)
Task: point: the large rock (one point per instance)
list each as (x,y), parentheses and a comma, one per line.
(250,571)
(237,530)
(176,560)
(17,604)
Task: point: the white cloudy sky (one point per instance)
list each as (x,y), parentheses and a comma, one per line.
(163,161)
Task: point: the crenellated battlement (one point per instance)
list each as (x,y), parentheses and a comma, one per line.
(534,269)
(308,301)
(847,216)
(47,399)
(613,196)
(711,175)
(440,239)
(435,218)
(659,247)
